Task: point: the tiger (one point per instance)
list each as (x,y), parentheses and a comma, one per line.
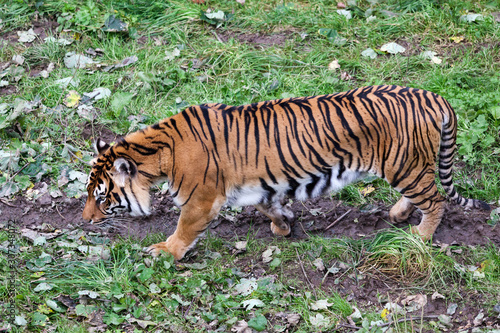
(261,154)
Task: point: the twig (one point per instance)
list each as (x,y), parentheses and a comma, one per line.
(172,89)
(58,212)
(78,158)
(217,36)
(350,326)
(6,203)
(305,275)
(302,227)
(337,220)
(24,166)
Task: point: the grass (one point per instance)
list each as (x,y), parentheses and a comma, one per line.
(217,64)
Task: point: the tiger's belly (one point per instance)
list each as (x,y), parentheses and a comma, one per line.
(309,186)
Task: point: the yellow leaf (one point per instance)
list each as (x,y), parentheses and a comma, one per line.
(367,190)
(37,275)
(457,39)
(43,308)
(486,265)
(384,314)
(72,99)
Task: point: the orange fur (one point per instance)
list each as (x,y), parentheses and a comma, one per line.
(259,154)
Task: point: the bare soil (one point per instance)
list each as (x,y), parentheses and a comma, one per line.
(312,217)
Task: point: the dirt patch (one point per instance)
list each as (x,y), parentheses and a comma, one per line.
(368,291)
(8,90)
(95,131)
(257,39)
(43,28)
(459,226)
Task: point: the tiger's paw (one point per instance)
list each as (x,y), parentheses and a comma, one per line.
(278,231)
(424,235)
(156,249)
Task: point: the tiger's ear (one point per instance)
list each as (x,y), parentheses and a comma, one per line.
(124,169)
(100,146)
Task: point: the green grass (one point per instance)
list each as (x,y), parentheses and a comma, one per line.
(46,142)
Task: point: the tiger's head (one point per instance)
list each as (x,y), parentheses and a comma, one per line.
(114,185)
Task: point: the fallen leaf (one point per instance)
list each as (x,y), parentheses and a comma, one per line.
(414,302)
(367,190)
(319,264)
(478,320)
(241,327)
(457,39)
(64,83)
(319,320)
(27,36)
(98,93)
(89,293)
(346,13)
(43,287)
(333,65)
(444,319)
(321,304)
(370,53)
(436,295)
(171,55)
(392,48)
(60,41)
(245,287)
(293,318)
(452,308)
(18,59)
(471,17)
(252,303)
(73,60)
(345,76)
(241,245)
(125,62)
(72,99)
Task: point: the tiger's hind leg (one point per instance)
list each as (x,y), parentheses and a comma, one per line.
(279,215)
(401,210)
(427,199)
(195,217)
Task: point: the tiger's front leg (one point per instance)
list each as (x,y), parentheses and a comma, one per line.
(195,217)
(280,217)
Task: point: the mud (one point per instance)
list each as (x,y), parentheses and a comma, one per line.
(312,218)
(459,226)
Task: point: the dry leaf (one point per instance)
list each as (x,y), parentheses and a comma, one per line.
(457,39)
(72,99)
(334,65)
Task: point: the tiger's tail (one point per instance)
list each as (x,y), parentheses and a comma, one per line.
(447,152)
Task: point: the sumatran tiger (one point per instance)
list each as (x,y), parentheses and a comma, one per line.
(258,154)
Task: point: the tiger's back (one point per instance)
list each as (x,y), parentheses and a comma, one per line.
(258,154)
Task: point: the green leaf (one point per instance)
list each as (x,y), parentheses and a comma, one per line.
(275,263)
(495,112)
(114,24)
(258,323)
(43,287)
(112,319)
(84,310)
(119,101)
(20,321)
(146,274)
(54,306)
(39,319)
